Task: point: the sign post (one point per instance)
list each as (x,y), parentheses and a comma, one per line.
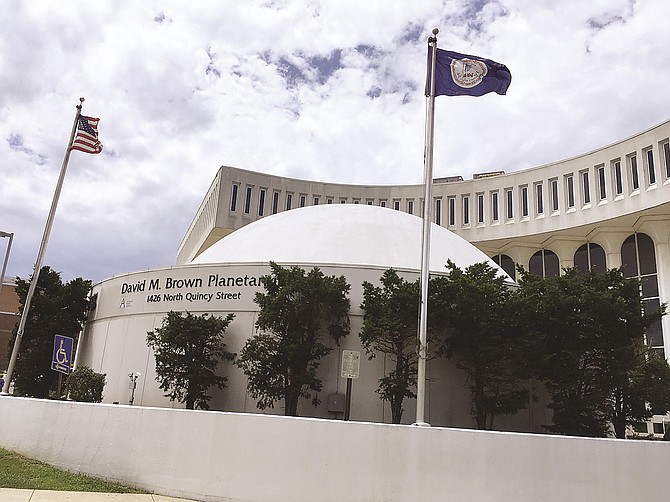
(351,368)
(61,360)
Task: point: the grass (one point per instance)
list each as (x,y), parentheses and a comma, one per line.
(17,471)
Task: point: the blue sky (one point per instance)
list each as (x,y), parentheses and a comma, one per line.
(308,89)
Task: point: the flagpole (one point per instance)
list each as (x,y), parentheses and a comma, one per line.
(425,242)
(40,256)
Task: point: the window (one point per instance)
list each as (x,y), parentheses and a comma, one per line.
(396,205)
(233,198)
(247,200)
(634,178)
(651,171)
(357,201)
(438,211)
(466,209)
(303,200)
(554,194)
(275,202)
(638,258)
(524,202)
(315,201)
(544,263)
(539,202)
(509,204)
(261,201)
(329,200)
(370,202)
(507,264)
(666,158)
(602,188)
(590,256)
(289,201)
(480,208)
(343,201)
(586,189)
(451,211)
(658,427)
(410,206)
(570,191)
(382,203)
(618,181)
(495,216)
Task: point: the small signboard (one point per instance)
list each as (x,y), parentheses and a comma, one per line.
(351,363)
(62,355)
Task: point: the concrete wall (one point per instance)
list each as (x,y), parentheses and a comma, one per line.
(244,457)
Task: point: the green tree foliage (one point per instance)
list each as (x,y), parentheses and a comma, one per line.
(86,385)
(297,311)
(56,309)
(390,328)
(473,309)
(592,359)
(188,349)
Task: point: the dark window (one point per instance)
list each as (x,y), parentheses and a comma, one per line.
(410,206)
(554,195)
(480,208)
(590,256)
(289,201)
(544,263)
(570,187)
(666,157)
(538,198)
(634,178)
(261,202)
(303,200)
(618,181)
(451,209)
(396,205)
(247,201)
(315,201)
(466,210)
(601,183)
(233,198)
(524,202)
(506,263)
(586,189)
(658,427)
(650,167)
(438,211)
(510,205)
(494,206)
(275,202)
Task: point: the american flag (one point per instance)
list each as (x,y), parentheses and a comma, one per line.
(86,139)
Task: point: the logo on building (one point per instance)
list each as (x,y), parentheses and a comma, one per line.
(468,73)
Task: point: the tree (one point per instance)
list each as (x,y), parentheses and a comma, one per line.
(188,349)
(592,329)
(297,311)
(56,308)
(390,328)
(86,385)
(473,309)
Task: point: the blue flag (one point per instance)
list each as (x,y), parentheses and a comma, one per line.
(462,75)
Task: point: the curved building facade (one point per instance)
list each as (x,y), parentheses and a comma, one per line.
(606,208)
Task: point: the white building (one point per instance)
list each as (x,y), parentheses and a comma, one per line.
(606,208)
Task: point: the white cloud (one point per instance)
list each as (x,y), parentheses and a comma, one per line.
(314,89)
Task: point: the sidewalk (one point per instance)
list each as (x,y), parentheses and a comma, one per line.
(28,495)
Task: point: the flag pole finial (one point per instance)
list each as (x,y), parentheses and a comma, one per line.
(81,102)
(433,39)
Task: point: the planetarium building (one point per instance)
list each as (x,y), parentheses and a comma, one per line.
(607,208)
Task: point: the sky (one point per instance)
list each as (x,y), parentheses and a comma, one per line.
(312,89)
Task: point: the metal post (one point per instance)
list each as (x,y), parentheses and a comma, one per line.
(9,247)
(40,256)
(425,242)
(347,400)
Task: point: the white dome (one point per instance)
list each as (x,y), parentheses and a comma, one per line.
(342,234)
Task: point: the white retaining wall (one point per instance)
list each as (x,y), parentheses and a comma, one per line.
(264,458)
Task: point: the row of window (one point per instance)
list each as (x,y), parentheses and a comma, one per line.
(638,259)
(500,205)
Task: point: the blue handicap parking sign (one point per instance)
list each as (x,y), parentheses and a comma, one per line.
(62,356)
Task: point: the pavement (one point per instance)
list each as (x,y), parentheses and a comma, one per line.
(29,495)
